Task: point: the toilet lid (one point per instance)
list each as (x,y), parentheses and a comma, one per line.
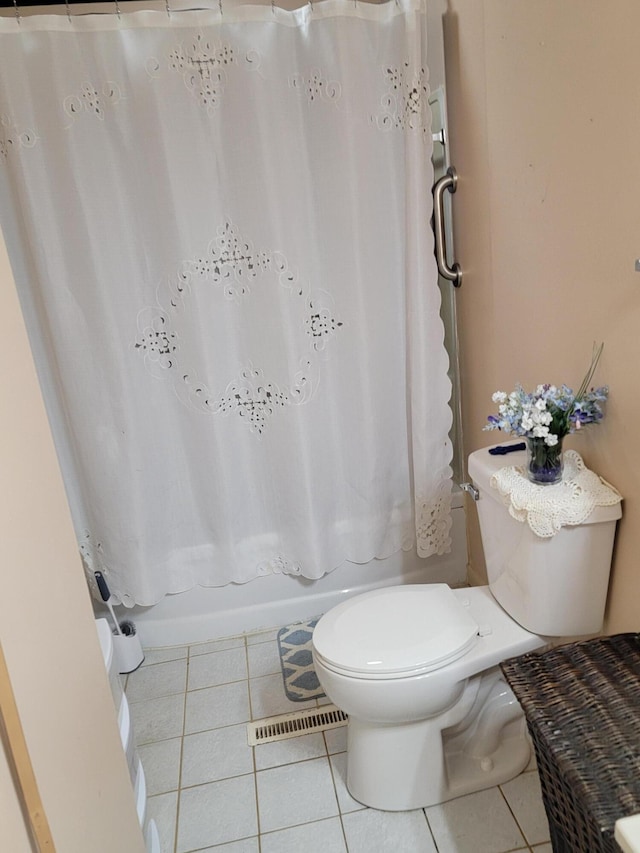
(414,628)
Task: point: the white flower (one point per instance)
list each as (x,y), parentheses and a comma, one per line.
(549,407)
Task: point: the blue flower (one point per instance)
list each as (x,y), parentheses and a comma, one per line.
(550,412)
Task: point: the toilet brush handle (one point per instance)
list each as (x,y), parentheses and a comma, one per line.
(106,597)
(102,586)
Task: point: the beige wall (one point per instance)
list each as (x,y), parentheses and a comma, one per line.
(47,629)
(544,110)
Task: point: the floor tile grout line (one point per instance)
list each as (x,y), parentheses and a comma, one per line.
(255,786)
(184,726)
(429,827)
(147,666)
(215,781)
(188,734)
(253,750)
(223,844)
(315,820)
(335,791)
(513,815)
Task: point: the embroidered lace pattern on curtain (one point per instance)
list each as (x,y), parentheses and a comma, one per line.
(232,266)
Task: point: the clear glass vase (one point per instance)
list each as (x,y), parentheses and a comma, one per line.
(544,463)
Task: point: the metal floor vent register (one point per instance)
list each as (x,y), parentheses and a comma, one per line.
(296,724)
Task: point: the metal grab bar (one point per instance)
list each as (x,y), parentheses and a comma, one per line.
(446,182)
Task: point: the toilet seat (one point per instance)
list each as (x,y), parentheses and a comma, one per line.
(395,632)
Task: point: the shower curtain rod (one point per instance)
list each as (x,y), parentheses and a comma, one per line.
(23,4)
(109,6)
(114,4)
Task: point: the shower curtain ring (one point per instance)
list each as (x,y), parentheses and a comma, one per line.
(168,10)
(15,6)
(66,3)
(117,9)
(273,7)
(220,7)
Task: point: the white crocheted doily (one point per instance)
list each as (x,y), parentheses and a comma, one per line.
(548,508)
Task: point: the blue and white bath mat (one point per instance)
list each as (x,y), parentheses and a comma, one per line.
(300,680)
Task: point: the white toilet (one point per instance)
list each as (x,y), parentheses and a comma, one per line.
(416,667)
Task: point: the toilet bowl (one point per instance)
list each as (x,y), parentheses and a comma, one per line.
(416,667)
(410,689)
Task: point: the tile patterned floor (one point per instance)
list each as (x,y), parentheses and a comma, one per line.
(210,792)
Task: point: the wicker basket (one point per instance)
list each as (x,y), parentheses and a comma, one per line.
(582,703)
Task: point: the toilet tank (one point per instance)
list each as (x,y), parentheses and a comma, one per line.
(556,586)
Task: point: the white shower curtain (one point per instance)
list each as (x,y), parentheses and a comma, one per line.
(220,230)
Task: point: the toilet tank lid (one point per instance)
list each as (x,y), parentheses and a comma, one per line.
(403,629)
(482,466)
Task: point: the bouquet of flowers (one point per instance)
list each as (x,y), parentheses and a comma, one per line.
(548,414)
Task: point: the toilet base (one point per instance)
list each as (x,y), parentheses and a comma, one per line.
(478,743)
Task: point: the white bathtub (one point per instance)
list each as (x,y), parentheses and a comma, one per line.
(207,613)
